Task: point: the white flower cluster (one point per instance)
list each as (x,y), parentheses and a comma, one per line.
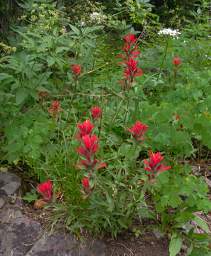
(97,17)
(169,32)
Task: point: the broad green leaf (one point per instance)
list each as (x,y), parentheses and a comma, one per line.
(30,197)
(175,245)
(201,223)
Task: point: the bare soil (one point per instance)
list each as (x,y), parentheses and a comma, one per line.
(129,245)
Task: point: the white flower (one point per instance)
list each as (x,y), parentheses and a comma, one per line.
(83,23)
(97,17)
(169,32)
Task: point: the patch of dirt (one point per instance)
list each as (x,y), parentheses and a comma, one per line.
(145,245)
(40,215)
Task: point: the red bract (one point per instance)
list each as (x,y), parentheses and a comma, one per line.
(89,147)
(46,190)
(85,182)
(85,128)
(76,69)
(135,54)
(92,164)
(138,130)
(55,108)
(130,39)
(132,70)
(176,61)
(154,165)
(87,164)
(101,165)
(96,112)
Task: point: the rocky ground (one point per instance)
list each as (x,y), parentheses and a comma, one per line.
(22,232)
(20,235)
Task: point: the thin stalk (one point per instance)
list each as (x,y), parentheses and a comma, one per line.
(164,57)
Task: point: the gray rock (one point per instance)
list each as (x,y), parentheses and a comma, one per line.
(9,183)
(2,202)
(18,236)
(66,245)
(8,215)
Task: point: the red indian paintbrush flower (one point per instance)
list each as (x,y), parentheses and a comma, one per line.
(85,182)
(132,70)
(130,39)
(76,69)
(46,190)
(154,164)
(85,128)
(138,130)
(96,112)
(89,147)
(176,61)
(55,108)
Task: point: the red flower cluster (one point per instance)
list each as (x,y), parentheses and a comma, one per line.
(55,108)
(154,165)
(84,128)
(96,112)
(76,69)
(131,69)
(138,130)
(176,61)
(46,190)
(87,150)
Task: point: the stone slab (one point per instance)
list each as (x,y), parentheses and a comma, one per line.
(61,244)
(18,236)
(9,183)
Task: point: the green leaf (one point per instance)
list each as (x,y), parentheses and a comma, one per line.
(76,30)
(202,224)
(30,197)
(175,245)
(21,95)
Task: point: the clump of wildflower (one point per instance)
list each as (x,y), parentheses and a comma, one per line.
(130,53)
(138,130)
(154,165)
(96,112)
(169,32)
(46,190)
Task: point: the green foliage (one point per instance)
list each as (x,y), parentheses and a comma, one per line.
(173,101)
